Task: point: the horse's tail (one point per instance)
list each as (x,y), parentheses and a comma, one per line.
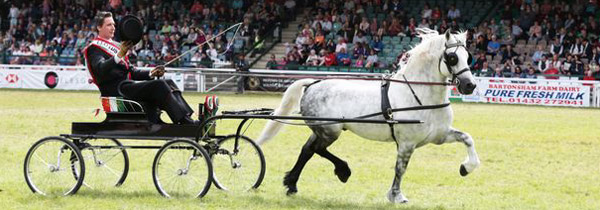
(291,100)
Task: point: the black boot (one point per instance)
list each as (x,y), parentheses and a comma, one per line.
(187,120)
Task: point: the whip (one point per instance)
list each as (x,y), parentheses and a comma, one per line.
(206,41)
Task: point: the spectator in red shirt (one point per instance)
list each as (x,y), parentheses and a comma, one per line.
(436,14)
(588,74)
(330,59)
(551,70)
(197,7)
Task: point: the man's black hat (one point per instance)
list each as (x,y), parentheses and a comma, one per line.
(131,29)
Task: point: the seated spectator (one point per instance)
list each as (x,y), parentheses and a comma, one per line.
(436,14)
(588,74)
(479,60)
(376,44)
(577,47)
(341,45)
(537,56)
(329,58)
(544,64)
(568,65)
(313,59)
(516,30)
(426,12)
(372,59)
(282,63)
(166,28)
(206,61)
(481,43)
(594,56)
(373,26)
(453,12)
(552,70)
(497,72)
(556,48)
(319,39)
(493,46)
(272,63)
(342,58)
(556,61)
(395,28)
(292,62)
(535,32)
(358,50)
(195,60)
(587,48)
(424,23)
(578,70)
(359,38)
(484,71)
(531,74)
(360,62)
(517,73)
(508,67)
(363,27)
(508,53)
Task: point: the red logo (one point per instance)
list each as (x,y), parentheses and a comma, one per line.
(12,78)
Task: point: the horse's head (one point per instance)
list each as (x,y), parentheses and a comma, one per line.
(456,59)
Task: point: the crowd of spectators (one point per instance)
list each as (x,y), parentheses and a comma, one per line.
(524,39)
(340,33)
(530,37)
(51,32)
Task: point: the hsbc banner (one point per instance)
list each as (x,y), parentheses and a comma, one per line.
(62,80)
(46,79)
(528,93)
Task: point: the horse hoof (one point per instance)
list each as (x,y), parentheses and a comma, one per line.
(463,171)
(291,191)
(343,173)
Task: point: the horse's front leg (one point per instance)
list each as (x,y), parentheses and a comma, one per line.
(395,194)
(472,160)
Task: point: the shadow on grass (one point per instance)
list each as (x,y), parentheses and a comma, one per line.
(309,203)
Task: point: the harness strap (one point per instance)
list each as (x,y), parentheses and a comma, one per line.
(412,108)
(386,107)
(413,91)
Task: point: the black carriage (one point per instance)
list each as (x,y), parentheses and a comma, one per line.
(191,160)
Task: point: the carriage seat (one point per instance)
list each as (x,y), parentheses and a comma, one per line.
(119,109)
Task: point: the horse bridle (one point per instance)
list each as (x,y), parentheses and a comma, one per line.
(451,59)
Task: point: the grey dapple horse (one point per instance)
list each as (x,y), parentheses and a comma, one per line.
(438,58)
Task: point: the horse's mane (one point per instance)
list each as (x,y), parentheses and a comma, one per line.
(431,46)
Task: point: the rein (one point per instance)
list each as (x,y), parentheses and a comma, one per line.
(346,78)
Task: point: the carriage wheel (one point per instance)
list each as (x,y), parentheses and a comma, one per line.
(238,170)
(182,168)
(49,167)
(109,163)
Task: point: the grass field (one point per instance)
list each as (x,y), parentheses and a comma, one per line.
(532,158)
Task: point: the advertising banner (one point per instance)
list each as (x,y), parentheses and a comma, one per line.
(59,79)
(46,79)
(530,93)
(269,83)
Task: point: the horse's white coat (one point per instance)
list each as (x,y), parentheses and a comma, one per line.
(353,98)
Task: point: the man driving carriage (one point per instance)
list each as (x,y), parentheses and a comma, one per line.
(115,77)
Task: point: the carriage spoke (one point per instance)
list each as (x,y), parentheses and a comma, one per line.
(40,158)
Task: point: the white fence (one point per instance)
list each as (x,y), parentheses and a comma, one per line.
(562,92)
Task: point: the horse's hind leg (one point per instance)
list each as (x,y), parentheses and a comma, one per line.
(342,171)
(472,160)
(316,144)
(291,177)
